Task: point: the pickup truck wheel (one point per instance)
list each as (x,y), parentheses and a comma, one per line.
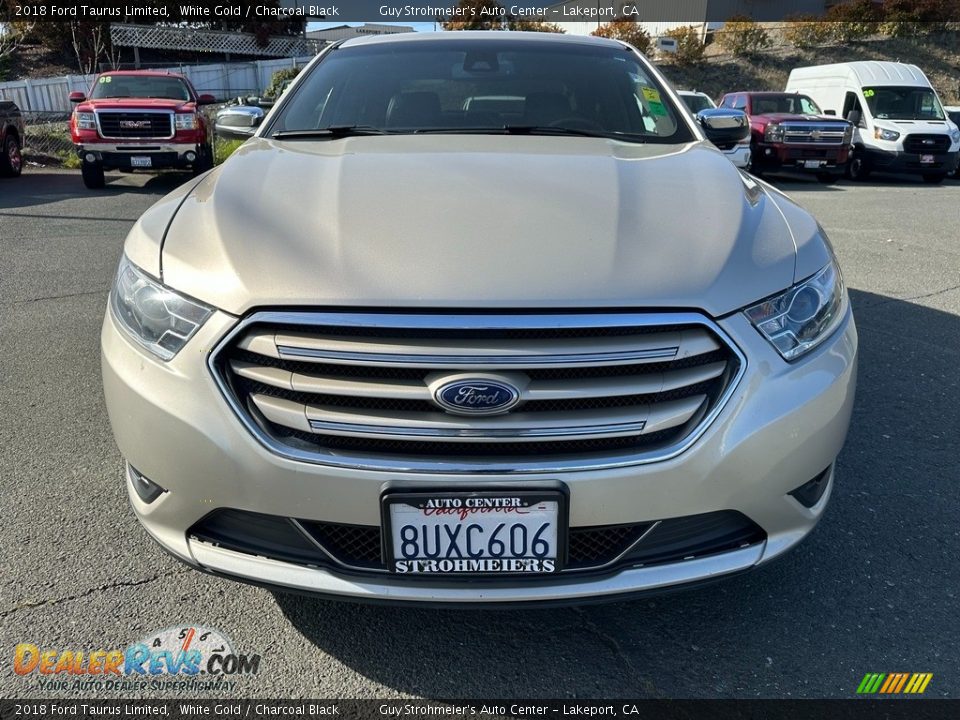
(754,167)
(204,160)
(11,162)
(92,175)
(934,179)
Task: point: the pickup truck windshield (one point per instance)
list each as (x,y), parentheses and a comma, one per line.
(786,103)
(140,86)
(481,86)
(903,103)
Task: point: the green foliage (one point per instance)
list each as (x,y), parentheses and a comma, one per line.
(852,21)
(224,149)
(626,30)
(690,47)
(278,79)
(742,37)
(807,31)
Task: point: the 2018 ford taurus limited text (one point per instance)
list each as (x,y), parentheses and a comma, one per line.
(479,318)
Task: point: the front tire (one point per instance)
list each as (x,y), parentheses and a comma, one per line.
(934,179)
(92,175)
(11,161)
(204,160)
(858,169)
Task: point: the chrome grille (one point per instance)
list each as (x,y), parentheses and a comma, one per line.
(814,134)
(148,124)
(596,389)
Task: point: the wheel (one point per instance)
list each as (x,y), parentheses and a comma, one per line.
(934,179)
(858,169)
(753,167)
(92,175)
(11,162)
(827,178)
(204,160)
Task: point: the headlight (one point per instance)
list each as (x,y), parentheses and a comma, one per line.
(86,121)
(881,134)
(848,135)
(185,121)
(805,315)
(773,133)
(955,135)
(156,317)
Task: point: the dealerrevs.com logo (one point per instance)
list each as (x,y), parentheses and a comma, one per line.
(188,657)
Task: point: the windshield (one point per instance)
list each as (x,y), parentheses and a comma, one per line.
(787,103)
(140,86)
(483,86)
(696,103)
(903,103)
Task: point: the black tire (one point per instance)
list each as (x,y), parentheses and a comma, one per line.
(11,160)
(204,160)
(827,178)
(92,175)
(934,179)
(754,167)
(858,169)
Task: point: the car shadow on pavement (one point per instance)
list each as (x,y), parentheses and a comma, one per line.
(875,584)
(39,187)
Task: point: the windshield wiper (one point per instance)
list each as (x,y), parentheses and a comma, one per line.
(334,131)
(554,130)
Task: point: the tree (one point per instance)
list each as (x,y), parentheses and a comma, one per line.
(852,21)
(476,15)
(741,36)
(626,30)
(690,47)
(12,36)
(524,25)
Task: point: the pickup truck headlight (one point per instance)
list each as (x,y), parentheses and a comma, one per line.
(773,133)
(157,318)
(881,134)
(185,121)
(86,120)
(955,135)
(798,320)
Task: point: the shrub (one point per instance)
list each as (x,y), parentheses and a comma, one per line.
(278,79)
(690,47)
(852,21)
(626,30)
(224,149)
(516,23)
(741,36)
(806,31)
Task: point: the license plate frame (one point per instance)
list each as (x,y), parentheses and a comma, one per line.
(528,496)
(813,164)
(141,161)
(927,159)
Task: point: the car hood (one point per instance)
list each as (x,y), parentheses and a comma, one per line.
(139,103)
(482,221)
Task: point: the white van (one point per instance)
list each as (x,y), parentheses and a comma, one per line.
(901,124)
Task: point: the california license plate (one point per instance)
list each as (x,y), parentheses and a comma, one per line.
(926,159)
(502,532)
(141,162)
(812,164)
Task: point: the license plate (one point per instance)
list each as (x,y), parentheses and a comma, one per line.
(464,533)
(812,164)
(926,159)
(141,162)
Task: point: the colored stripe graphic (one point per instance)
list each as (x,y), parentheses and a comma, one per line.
(894,683)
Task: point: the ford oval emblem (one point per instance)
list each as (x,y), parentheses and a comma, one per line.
(476,396)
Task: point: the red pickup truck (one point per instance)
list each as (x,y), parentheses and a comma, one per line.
(789,131)
(140,120)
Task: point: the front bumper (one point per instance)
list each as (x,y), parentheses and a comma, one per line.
(163,155)
(912,163)
(739,155)
(784,423)
(832,159)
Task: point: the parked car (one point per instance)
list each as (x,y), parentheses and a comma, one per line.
(790,132)
(739,153)
(140,120)
(900,123)
(953,112)
(399,354)
(11,139)
(238,121)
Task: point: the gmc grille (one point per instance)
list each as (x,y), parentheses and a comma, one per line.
(596,390)
(128,124)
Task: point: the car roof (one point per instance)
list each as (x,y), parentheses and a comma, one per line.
(469,36)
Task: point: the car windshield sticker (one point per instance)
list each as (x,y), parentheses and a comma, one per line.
(652,96)
(106,79)
(868,93)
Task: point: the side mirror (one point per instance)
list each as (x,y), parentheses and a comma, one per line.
(206,99)
(724,127)
(854,117)
(77,97)
(830,112)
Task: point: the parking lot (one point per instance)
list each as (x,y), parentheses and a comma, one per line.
(874,589)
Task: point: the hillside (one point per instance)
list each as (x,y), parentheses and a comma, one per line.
(938,56)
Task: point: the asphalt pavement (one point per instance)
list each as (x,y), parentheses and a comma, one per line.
(874,589)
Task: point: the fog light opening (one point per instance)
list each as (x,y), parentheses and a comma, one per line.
(90,157)
(147,490)
(810,492)
(191,156)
